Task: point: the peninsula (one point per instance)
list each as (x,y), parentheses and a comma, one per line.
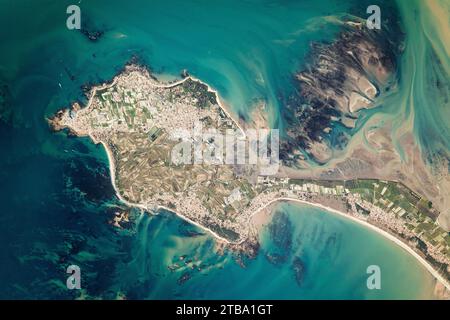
(139,120)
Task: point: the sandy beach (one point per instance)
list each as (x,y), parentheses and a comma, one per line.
(361,222)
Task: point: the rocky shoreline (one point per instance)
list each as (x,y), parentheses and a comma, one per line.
(340,79)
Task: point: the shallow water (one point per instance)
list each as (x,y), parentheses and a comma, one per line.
(55,191)
(335,254)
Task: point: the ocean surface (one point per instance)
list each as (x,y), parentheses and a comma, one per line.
(55,192)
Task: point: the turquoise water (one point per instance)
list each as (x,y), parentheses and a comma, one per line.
(428,86)
(335,254)
(55,191)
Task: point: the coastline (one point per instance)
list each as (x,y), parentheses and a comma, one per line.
(210,89)
(380,231)
(383,233)
(112,168)
(366,224)
(158,84)
(143,207)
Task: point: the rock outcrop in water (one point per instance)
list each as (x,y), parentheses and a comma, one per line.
(299,268)
(341,78)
